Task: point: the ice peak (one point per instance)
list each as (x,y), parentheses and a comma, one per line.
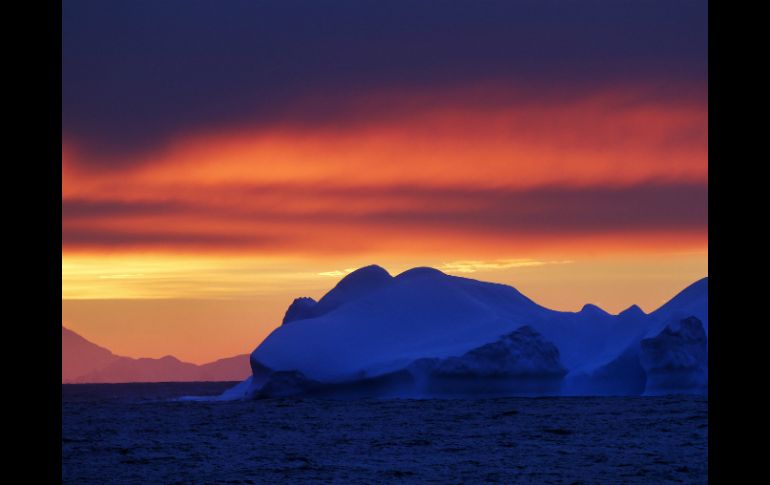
(633,310)
(420,271)
(365,275)
(353,286)
(592,309)
(300,309)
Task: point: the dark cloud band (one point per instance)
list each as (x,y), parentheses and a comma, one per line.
(136,74)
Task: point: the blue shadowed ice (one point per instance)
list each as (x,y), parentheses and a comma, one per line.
(376,332)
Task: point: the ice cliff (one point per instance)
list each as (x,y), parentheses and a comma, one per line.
(676,360)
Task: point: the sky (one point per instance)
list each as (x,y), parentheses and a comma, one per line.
(221,159)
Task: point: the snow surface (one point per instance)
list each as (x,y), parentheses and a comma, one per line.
(624,373)
(372,324)
(692,301)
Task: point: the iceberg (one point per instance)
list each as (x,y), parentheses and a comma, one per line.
(424,331)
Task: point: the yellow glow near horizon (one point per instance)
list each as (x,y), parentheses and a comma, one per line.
(162,276)
(173,276)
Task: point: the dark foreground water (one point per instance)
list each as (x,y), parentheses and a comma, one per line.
(135,433)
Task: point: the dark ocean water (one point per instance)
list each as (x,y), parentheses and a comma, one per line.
(138,433)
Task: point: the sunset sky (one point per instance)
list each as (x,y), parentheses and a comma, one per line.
(220,159)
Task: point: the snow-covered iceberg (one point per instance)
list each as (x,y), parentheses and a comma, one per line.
(372,327)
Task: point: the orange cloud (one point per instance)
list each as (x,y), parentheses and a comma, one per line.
(602,166)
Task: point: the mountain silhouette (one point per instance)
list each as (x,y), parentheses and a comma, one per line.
(86,362)
(80,357)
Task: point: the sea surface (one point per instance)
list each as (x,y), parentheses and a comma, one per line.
(142,434)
